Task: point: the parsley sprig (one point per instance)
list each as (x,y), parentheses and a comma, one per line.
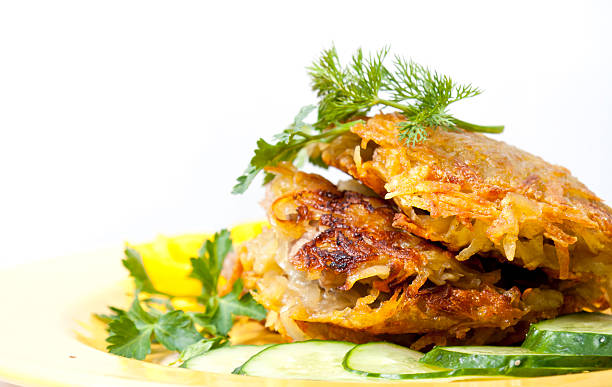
(290,145)
(153,319)
(348,91)
(218,317)
(132,332)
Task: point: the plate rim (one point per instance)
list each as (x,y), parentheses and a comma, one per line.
(74,282)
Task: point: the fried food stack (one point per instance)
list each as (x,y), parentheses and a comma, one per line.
(458,240)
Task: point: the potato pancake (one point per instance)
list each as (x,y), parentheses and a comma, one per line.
(480,196)
(335,264)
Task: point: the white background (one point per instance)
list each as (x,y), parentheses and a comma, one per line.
(120,119)
(123,119)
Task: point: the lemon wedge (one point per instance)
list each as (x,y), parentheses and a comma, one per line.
(167,259)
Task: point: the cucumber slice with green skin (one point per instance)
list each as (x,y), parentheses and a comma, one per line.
(391,361)
(382,359)
(580,334)
(499,357)
(313,359)
(223,360)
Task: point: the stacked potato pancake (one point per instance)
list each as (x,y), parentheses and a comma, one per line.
(459,239)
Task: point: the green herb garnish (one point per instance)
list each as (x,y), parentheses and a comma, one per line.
(218,318)
(130,334)
(201,347)
(291,145)
(421,95)
(133,263)
(346,92)
(153,319)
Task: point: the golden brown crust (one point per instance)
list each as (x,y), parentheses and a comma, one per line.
(442,308)
(334,264)
(344,252)
(355,233)
(466,181)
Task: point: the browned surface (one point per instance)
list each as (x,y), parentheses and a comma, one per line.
(446,309)
(334,265)
(479,195)
(344,251)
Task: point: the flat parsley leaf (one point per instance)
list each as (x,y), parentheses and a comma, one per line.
(288,146)
(115,314)
(175,331)
(131,333)
(127,340)
(220,311)
(292,145)
(232,305)
(209,263)
(203,320)
(133,262)
(201,347)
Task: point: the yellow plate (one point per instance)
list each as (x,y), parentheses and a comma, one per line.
(46,334)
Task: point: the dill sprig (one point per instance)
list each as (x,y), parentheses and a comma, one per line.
(421,95)
(350,91)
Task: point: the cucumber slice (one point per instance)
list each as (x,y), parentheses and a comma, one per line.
(384,359)
(313,359)
(499,357)
(580,334)
(391,361)
(223,360)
